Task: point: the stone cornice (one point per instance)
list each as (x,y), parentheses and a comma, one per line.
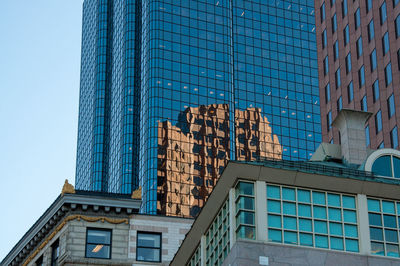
(58,210)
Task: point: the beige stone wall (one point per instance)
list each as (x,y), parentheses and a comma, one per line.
(173,232)
(72,240)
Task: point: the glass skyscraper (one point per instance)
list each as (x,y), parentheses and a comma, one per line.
(173,89)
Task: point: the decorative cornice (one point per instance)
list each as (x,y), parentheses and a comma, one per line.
(65,221)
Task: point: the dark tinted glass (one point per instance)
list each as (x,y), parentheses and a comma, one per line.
(382,166)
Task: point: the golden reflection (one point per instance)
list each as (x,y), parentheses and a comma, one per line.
(97,248)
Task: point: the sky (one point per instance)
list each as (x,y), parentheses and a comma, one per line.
(40,44)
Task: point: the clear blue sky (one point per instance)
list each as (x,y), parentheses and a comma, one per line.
(40,44)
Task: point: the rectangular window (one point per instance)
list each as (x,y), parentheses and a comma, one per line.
(98,243)
(346,35)
(357,18)
(391,106)
(329,120)
(323,13)
(245,216)
(375,90)
(361,76)
(367,138)
(335,51)
(382,13)
(333,2)
(55,253)
(368,4)
(381,146)
(337,78)
(395,2)
(397,24)
(383,227)
(334,23)
(327,93)
(394,139)
(371,30)
(378,121)
(359,47)
(339,104)
(312,218)
(344,8)
(364,106)
(372,58)
(385,43)
(326,66)
(39,261)
(148,247)
(350,92)
(348,63)
(388,74)
(324,39)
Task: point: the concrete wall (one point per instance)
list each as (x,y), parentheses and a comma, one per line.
(173,232)
(247,253)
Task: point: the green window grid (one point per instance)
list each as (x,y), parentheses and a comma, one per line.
(312,218)
(195,260)
(384,226)
(217,237)
(245,210)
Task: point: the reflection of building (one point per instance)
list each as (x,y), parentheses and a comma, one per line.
(193,154)
(331,210)
(145,62)
(94,228)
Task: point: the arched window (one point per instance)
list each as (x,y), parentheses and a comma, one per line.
(385,162)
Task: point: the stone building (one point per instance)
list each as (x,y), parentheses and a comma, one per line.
(92,228)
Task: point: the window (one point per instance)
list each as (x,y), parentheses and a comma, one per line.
(381,146)
(367,138)
(348,63)
(368,4)
(55,253)
(337,78)
(350,92)
(395,2)
(397,24)
(312,218)
(361,76)
(383,227)
(329,120)
(323,13)
(388,74)
(391,106)
(394,138)
(245,216)
(375,90)
(371,30)
(364,106)
(346,35)
(334,23)
(357,18)
(333,2)
(98,243)
(326,66)
(335,51)
(372,58)
(344,8)
(398,59)
(359,47)
(385,43)
(378,121)
(339,104)
(39,261)
(382,12)
(327,93)
(324,39)
(148,247)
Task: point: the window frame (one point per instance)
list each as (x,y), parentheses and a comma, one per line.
(137,245)
(86,241)
(55,246)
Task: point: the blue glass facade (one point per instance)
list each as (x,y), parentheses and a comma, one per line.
(190,85)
